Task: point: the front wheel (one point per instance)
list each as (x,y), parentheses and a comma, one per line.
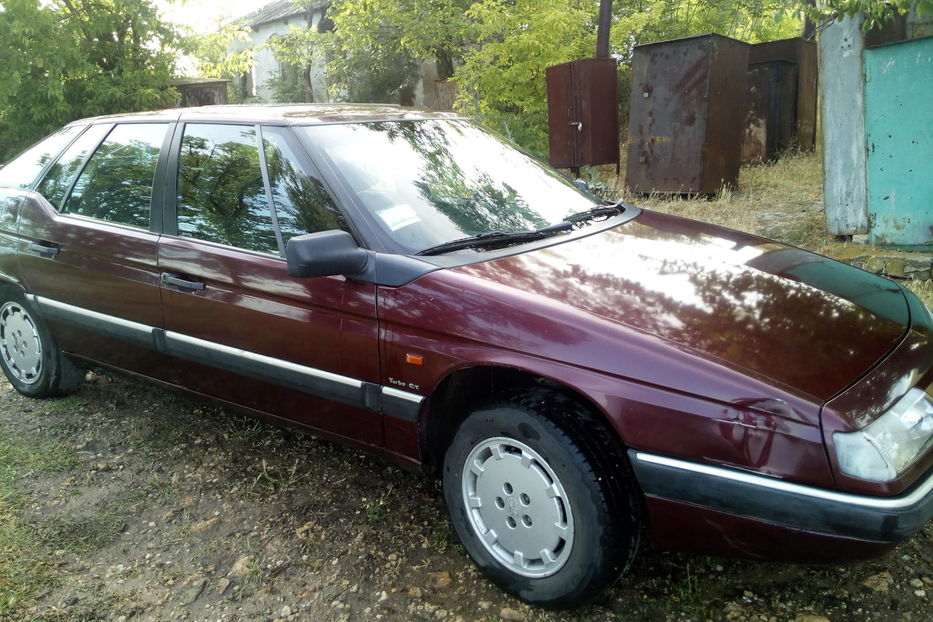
(31,360)
(541,499)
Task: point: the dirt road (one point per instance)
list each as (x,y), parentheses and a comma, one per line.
(126,502)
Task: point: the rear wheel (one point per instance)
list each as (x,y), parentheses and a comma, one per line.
(542,498)
(31,360)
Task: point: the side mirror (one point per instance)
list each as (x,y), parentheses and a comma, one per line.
(325,253)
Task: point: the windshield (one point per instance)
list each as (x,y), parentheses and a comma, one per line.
(429,182)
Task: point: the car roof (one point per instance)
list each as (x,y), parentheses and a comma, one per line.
(279,114)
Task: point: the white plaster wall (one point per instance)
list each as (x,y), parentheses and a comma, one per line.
(265,66)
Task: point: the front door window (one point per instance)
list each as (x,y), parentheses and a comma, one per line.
(221,195)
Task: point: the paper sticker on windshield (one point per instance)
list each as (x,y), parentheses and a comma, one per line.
(399,216)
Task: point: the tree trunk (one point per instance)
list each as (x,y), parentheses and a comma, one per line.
(309,92)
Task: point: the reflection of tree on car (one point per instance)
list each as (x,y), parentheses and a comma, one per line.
(471,199)
(438,180)
(302,204)
(220,189)
(116,184)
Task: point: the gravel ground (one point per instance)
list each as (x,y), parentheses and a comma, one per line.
(170,509)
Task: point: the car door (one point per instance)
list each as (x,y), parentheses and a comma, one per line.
(88,252)
(238,327)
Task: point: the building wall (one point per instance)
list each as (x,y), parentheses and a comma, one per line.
(430,92)
(266,67)
(899,125)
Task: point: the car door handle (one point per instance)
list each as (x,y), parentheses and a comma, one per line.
(43,249)
(169,279)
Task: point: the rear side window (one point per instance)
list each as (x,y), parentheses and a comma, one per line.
(116,183)
(22,171)
(302,204)
(221,196)
(60,176)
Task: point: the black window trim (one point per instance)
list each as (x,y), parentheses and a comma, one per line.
(267,185)
(156,218)
(168,212)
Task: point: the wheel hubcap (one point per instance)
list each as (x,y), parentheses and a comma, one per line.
(517,507)
(20,344)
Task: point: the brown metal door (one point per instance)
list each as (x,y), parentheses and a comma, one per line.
(583,113)
(667,125)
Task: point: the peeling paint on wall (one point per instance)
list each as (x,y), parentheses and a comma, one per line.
(844,161)
(899,126)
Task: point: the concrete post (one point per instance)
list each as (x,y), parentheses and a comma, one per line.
(843,104)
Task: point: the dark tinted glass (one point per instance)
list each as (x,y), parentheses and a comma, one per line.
(22,171)
(221,197)
(58,179)
(302,204)
(429,182)
(116,184)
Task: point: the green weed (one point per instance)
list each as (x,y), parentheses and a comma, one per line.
(24,562)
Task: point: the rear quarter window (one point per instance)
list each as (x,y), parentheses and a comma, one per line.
(58,179)
(22,171)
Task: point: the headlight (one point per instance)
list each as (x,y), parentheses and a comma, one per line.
(883,449)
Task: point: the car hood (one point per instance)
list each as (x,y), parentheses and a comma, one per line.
(779,313)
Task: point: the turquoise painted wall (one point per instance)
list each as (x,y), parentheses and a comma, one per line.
(899,138)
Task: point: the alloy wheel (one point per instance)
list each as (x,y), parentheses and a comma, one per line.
(20,344)
(517,507)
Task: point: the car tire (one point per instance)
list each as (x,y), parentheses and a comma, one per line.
(29,356)
(542,497)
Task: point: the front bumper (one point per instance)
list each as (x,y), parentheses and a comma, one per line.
(781,503)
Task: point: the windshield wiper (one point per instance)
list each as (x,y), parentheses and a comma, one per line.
(504,238)
(593,213)
(495,238)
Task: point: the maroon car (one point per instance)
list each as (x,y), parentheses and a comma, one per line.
(578,372)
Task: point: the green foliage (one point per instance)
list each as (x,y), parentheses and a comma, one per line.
(748,20)
(424,29)
(497,50)
(225,53)
(876,12)
(501,80)
(296,52)
(366,60)
(61,60)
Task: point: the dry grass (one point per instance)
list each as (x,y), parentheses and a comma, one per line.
(923,289)
(781,200)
